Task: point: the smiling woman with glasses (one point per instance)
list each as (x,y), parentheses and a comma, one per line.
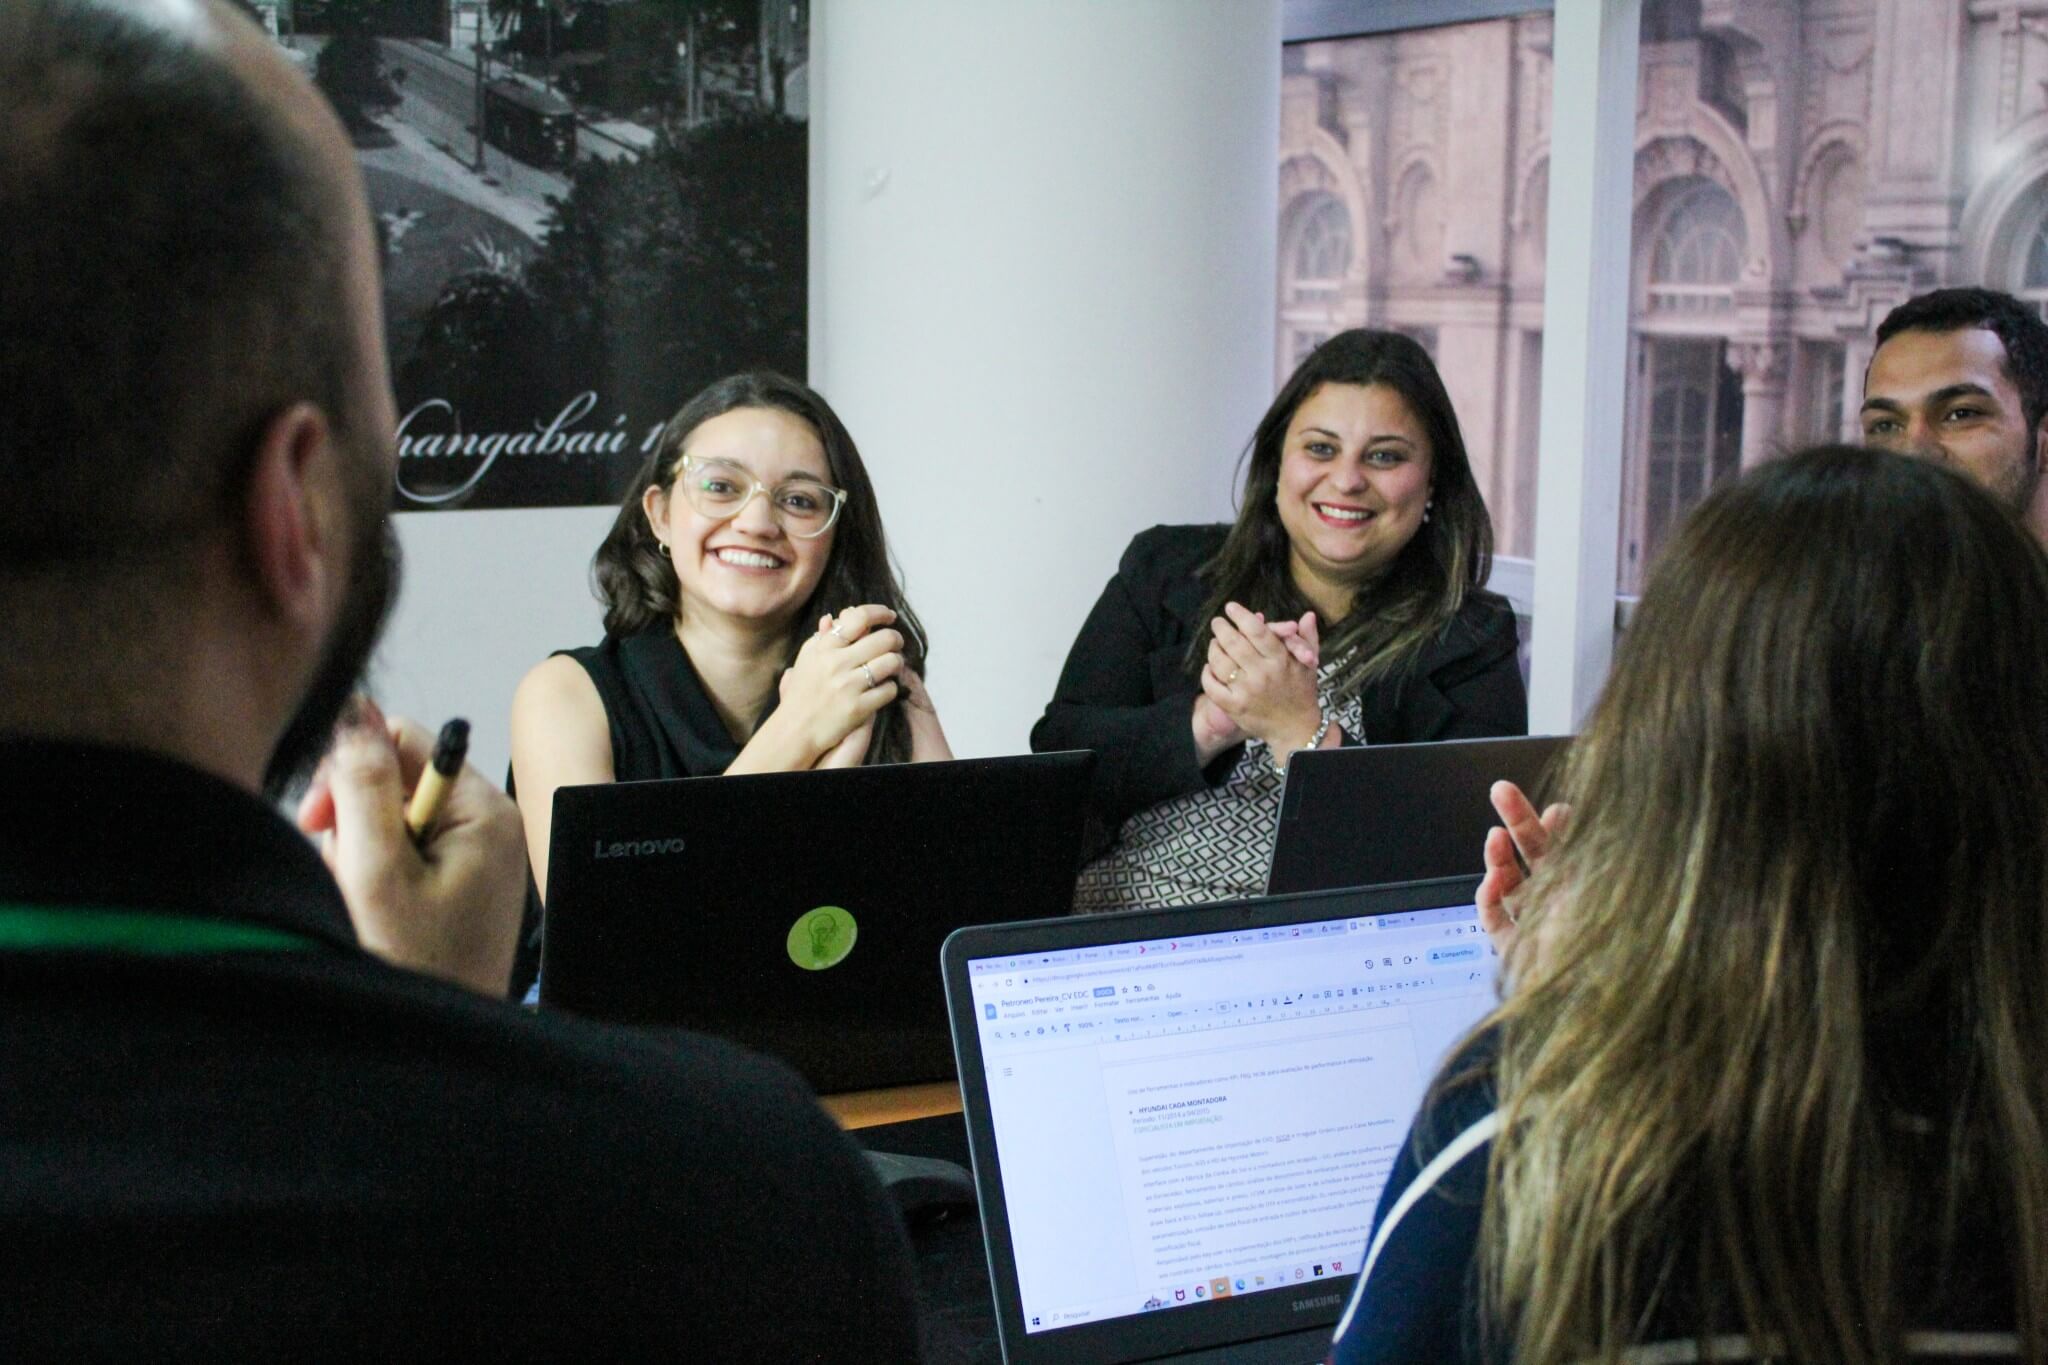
(752,620)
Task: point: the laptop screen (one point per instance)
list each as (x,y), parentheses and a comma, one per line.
(1183,1120)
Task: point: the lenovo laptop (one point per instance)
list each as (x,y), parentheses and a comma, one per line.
(1375,814)
(1181,1119)
(802,913)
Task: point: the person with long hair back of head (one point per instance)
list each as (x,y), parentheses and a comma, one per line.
(1771,1080)
(1345,606)
(752,623)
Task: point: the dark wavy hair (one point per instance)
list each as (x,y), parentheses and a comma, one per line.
(637,584)
(1398,614)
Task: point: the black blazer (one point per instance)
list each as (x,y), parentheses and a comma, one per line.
(1127,694)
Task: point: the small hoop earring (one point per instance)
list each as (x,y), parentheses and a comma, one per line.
(661,546)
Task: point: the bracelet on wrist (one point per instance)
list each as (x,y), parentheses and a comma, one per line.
(1315,741)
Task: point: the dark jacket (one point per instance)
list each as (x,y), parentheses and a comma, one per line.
(1126,691)
(299,1152)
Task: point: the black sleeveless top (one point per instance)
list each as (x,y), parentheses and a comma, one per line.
(662,724)
(661,720)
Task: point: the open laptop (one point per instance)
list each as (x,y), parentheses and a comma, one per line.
(1181,1119)
(1374,814)
(800,913)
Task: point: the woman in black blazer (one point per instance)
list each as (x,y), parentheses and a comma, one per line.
(1343,607)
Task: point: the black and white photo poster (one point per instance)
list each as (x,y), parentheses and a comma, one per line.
(588,210)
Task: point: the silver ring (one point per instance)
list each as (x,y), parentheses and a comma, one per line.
(869,674)
(833,631)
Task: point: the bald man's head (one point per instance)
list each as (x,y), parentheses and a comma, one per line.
(176,238)
(187,269)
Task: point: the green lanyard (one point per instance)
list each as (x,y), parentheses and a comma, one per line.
(38,928)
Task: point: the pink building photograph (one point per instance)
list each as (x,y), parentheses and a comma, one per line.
(1801,166)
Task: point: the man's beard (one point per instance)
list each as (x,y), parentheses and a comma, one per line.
(2015,480)
(372,589)
(2025,484)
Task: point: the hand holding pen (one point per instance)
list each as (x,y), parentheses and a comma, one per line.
(446,902)
(450,749)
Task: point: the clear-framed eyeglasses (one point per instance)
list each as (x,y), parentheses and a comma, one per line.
(721,490)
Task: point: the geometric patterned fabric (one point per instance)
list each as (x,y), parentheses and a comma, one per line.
(1209,845)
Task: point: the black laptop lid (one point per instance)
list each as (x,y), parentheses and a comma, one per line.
(1181,1119)
(802,913)
(1375,814)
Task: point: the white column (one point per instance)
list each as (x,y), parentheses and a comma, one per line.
(1042,264)
(1585,350)
(1764,367)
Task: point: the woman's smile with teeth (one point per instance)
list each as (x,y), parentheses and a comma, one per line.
(747,559)
(1346,514)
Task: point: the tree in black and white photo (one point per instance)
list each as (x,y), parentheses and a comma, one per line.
(350,67)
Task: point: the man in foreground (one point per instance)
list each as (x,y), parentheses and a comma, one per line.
(229,1130)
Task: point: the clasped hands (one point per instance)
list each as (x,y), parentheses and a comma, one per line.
(844,674)
(1259,682)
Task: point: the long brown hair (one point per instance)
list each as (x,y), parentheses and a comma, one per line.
(1422,591)
(1778,1042)
(637,583)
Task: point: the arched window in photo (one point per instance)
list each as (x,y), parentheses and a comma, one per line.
(1685,413)
(1316,256)
(1322,248)
(1697,254)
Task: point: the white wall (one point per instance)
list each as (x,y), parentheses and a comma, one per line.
(1042,246)
(1042,241)
(487,596)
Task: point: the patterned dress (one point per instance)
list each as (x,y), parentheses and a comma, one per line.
(1210,845)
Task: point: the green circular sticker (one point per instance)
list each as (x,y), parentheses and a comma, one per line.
(822,938)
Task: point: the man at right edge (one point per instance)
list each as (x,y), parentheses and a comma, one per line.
(1961,376)
(254,1106)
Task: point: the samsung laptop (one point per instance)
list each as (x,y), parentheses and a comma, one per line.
(1181,1120)
(801,913)
(1374,814)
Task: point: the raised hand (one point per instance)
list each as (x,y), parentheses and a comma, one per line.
(1521,841)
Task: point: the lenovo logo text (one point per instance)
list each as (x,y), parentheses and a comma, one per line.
(637,848)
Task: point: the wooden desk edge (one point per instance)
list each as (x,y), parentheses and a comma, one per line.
(866,1108)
